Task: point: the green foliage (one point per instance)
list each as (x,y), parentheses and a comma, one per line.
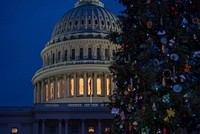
(157,67)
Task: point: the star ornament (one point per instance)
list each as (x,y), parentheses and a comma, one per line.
(170,112)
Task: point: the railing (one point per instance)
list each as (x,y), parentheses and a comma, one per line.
(70,106)
(74,63)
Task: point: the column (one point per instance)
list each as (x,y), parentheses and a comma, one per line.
(65,87)
(43,126)
(49,89)
(66,126)
(59,126)
(42,91)
(112,85)
(36,127)
(38,92)
(82,126)
(95,85)
(35,94)
(99,126)
(56,87)
(85,84)
(75,85)
(105,84)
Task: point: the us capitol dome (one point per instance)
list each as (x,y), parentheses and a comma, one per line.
(77,57)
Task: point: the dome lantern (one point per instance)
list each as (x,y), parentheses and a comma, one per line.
(95,2)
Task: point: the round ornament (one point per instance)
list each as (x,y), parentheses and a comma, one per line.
(149,24)
(166,98)
(163,41)
(174,57)
(177,88)
(167,73)
(195,20)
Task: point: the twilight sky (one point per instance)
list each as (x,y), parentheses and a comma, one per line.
(25,28)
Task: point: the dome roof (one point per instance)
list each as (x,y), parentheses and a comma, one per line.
(88,17)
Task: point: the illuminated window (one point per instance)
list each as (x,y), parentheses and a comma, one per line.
(14,130)
(51,90)
(72,87)
(62,88)
(81,86)
(90,129)
(46,92)
(90,84)
(58,84)
(99,86)
(108,86)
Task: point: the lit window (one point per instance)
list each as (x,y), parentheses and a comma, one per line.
(14,130)
(81,86)
(99,86)
(72,87)
(91,130)
(51,90)
(108,86)
(90,91)
(62,88)
(46,92)
(58,89)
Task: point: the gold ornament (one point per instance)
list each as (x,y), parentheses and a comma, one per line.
(170,112)
(166,119)
(149,24)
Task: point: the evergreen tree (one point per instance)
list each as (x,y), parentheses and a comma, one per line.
(157,68)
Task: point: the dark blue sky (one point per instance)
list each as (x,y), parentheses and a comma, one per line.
(25,28)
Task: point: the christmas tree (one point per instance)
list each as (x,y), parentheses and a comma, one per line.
(157,68)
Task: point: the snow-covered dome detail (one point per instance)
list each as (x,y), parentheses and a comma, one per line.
(88,18)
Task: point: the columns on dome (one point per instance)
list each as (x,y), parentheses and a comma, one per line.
(35,93)
(38,92)
(75,85)
(85,84)
(42,91)
(67,88)
(105,84)
(56,87)
(95,85)
(49,89)
(35,125)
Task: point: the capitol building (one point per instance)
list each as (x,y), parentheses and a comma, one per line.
(73,85)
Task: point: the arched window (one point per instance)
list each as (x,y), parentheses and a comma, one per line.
(81,53)
(46,92)
(106,54)
(99,86)
(73,54)
(72,86)
(65,58)
(59,56)
(98,53)
(90,85)
(81,86)
(52,90)
(89,53)
(108,86)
